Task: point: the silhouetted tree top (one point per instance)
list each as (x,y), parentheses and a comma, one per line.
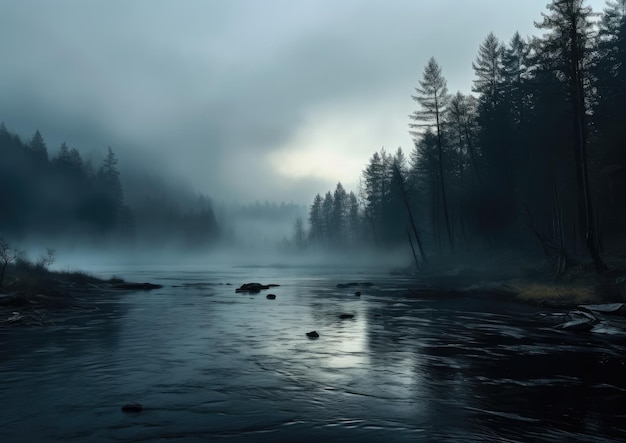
(38,147)
(109,176)
(488,68)
(432,95)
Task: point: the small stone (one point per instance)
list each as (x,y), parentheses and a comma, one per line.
(132,407)
(357,293)
(271,296)
(312,334)
(344,316)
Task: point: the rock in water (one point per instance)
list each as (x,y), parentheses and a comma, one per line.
(138,286)
(271,296)
(312,334)
(254,288)
(132,407)
(344,316)
(357,293)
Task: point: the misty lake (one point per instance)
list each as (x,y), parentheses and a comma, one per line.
(210,365)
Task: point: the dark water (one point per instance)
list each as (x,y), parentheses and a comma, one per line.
(212,365)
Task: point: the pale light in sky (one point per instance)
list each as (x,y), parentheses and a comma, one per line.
(271,100)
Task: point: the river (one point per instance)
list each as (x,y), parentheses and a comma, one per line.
(208,364)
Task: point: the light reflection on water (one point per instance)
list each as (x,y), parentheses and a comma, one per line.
(209,364)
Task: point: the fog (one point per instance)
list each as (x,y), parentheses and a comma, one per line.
(435,185)
(237,98)
(149,131)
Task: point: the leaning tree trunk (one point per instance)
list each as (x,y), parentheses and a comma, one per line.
(408,208)
(417,265)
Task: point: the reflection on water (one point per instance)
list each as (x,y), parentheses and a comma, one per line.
(209,364)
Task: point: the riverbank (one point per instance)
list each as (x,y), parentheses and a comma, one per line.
(32,293)
(525,282)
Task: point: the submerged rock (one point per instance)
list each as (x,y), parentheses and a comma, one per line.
(357,293)
(271,296)
(344,316)
(354,284)
(312,334)
(132,407)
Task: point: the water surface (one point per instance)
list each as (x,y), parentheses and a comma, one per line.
(212,365)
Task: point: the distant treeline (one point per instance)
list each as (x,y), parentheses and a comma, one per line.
(533,159)
(65,197)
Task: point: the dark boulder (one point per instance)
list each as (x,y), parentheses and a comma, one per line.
(312,334)
(271,296)
(254,288)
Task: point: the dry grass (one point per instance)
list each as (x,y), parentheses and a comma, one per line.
(553,294)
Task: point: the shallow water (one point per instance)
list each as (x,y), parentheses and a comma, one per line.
(211,365)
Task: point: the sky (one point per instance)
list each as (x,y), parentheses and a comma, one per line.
(243,100)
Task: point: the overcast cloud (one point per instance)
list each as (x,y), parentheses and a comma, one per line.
(245,99)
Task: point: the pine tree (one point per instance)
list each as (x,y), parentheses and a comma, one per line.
(109,178)
(488,68)
(299,235)
(353,219)
(38,148)
(515,72)
(609,112)
(316,221)
(570,34)
(340,198)
(327,217)
(432,95)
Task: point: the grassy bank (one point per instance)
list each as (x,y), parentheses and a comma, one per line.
(556,294)
(524,281)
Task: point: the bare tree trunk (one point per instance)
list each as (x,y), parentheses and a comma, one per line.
(4,266)
(563,260)
(370,217)
(470,149)
(580,149)
(435,216)
(442,183)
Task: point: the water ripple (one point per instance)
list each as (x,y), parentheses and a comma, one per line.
(209,364)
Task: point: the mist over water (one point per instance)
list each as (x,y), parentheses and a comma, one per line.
(258,245)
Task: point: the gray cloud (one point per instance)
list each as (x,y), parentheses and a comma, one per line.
(205,90)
